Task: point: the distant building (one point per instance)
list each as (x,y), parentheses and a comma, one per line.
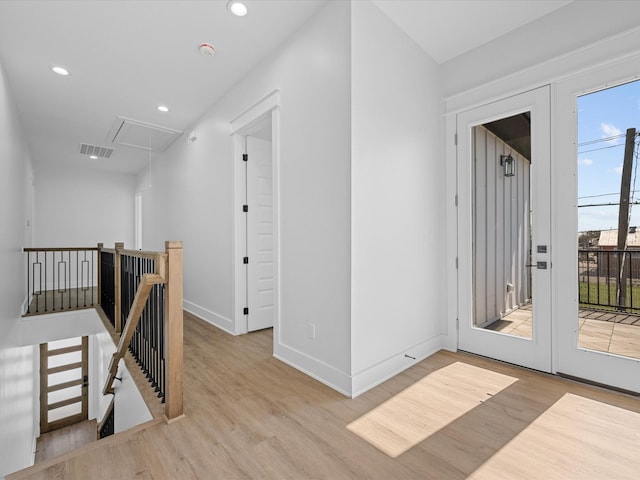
(609,263)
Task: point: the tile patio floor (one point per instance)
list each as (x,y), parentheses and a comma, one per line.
(603,331)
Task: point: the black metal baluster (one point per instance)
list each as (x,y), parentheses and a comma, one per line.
(161,319)
(154,349)
(80,280)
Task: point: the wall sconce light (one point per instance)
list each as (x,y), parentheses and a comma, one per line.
(509,165)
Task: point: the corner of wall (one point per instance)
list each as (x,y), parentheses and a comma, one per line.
(386,369)
(215,319)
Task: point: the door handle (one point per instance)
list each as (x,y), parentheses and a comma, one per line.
(539,265)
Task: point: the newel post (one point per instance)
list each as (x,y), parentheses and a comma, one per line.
(173,332)
(100,247)
(117,308)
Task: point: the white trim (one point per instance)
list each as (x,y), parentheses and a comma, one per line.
(450,337)
(316,369)
(239,324)
(138,201)
(257,110)
(595,55)
(392,366)
(215,319)
(269,104)
(275,159)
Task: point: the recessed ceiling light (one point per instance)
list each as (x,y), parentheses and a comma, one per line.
(60,71)
(93,157)
(163,108)
(239,9)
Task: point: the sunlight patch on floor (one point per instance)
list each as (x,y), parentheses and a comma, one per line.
(576,438)
(428,405)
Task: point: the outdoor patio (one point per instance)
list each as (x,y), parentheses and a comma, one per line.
(604,331)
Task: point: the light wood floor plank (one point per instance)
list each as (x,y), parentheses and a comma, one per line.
(250,416)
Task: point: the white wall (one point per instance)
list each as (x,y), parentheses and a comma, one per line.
(563,32)
(397,194)
(75,208)
(129,407)
(192,197)
(17,364)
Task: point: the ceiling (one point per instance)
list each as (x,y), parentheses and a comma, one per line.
(128,57)
(448,28)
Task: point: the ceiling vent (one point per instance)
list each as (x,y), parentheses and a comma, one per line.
(137,134)
(101,152)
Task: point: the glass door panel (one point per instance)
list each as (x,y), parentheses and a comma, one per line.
(504,230)
(608,203)
(595,269)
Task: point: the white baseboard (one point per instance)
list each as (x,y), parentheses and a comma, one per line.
(223,323)
(313,367)
(384,370)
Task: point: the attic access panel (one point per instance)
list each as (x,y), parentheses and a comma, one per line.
(137,134)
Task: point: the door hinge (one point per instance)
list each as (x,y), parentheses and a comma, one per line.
(245,311)
(245,260)
(245,208)
(456,263)
(456,199)
(457,324)
(455,138)
(245,157)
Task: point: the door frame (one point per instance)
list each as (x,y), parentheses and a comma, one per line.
(535,352)
(600,367)
(239,126)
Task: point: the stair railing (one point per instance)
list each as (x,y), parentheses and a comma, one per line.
(60,279)
(141,294)
(148,311)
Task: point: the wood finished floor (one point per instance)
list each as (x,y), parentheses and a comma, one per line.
(52,301)
(451,416)
(64,440)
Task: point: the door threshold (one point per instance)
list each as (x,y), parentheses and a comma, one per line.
(598,384)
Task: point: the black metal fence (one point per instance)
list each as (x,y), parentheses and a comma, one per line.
(147,343)
(601,273)
(61,279)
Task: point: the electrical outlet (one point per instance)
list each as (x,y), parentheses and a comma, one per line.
(312,331)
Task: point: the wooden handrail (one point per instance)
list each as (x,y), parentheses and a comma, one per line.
(147,282)
(61,249)
(142,254)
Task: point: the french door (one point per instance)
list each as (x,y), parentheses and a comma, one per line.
(504,230)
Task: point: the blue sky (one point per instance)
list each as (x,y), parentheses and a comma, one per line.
(601,115)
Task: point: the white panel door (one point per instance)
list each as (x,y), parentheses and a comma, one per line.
(504,230)
(260,267)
